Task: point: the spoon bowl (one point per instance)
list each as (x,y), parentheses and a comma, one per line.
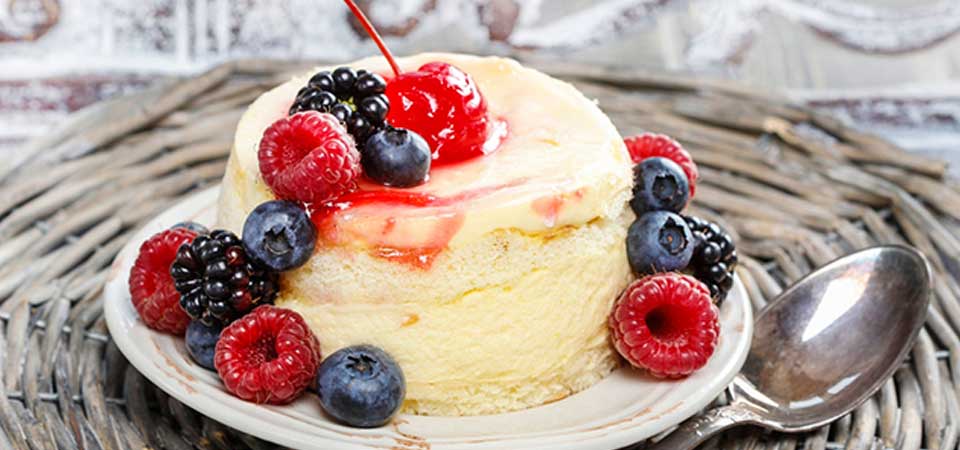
(824,346)
(830,341)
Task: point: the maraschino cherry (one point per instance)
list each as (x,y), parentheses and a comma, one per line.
(439,102)
(442,104)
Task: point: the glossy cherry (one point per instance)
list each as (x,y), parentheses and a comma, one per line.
(443,104)
(439,102)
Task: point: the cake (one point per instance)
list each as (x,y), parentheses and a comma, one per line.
(449,235)
(459,239)
(491,283)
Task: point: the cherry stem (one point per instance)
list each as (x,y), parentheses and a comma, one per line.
(358,13)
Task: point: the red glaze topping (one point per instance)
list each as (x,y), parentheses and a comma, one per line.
(422,256)
(374,194)
(443,104)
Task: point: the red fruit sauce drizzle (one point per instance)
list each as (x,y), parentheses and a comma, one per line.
(422,257)
(549,207)
(388,196)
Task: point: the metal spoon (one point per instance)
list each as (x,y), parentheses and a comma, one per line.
(824,346)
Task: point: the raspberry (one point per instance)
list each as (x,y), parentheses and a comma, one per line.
(666,323)
(648,145)
(151,288)
(442,104)
(309,157)
(268,356)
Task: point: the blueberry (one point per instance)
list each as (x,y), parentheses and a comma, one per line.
(659,241)
(396,157)
(192,226)
(201,343)
(660,185)
(279,235)
(361,386)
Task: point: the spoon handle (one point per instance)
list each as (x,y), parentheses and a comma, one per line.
(698,429)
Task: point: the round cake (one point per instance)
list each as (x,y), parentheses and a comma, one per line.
(491,283)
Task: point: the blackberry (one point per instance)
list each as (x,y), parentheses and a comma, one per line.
(714,257)
(355,98)
(217,281)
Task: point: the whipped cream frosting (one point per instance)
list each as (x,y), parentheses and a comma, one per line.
(560,162)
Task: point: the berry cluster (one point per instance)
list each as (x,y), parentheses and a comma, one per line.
(337,130)
(355,98)
(310,157)
(261,353)
(714,257)
(661,240)
(217,281)
(665,322)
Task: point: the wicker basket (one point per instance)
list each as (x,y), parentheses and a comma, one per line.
(797,188)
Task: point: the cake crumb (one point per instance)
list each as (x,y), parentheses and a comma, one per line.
(410,320)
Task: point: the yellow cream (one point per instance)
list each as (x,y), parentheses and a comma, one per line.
(512,312)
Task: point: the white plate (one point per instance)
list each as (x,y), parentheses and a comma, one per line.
(624,408)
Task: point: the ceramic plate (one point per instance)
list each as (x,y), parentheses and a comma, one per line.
(624,408)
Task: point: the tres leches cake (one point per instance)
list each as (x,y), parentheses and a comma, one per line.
(441,234)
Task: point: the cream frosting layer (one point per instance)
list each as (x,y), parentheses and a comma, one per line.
(511,310)
(561,163)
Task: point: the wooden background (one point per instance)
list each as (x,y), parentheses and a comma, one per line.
(889,66)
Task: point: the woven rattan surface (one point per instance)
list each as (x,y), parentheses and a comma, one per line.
(797,189)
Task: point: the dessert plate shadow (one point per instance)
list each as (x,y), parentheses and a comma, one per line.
(624,408)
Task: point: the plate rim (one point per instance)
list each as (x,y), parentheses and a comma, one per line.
(116,291)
